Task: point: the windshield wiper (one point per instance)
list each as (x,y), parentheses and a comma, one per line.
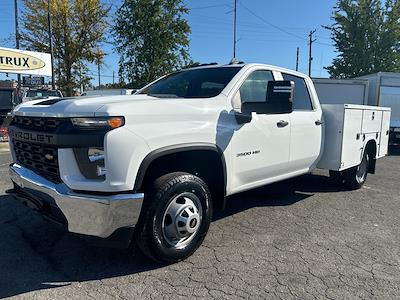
(164,95)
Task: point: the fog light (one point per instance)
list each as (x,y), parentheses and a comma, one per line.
(91,162)
(101,171)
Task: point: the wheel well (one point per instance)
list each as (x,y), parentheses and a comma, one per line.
(209,165)
(371,149)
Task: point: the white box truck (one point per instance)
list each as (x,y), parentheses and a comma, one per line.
(341,91)
(384,91)
(152,167)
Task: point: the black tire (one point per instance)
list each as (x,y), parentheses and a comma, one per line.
(355,178)
(336,176)
(150,232)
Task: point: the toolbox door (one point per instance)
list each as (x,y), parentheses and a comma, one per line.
(352,144)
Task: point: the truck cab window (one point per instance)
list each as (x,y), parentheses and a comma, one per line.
(192,83)
(302,100)
(254,88)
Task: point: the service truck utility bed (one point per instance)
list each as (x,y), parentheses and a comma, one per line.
(159,162)
(348,128)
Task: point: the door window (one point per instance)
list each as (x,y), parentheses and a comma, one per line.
(301,100)
(254,88)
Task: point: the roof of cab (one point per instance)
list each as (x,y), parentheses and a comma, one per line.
(247,65)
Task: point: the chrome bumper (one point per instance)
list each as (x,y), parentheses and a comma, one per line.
(85,214)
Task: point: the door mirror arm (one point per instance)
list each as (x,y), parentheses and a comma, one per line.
(243,117)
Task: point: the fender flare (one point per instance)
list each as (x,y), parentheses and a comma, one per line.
(176,149)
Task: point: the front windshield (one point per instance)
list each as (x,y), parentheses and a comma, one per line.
(196,83)
(44,93)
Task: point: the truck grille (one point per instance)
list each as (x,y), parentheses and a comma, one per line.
(41,159)
(39,124)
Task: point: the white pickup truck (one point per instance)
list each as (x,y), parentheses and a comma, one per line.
(152,167)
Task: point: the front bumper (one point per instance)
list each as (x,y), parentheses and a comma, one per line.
(95,215)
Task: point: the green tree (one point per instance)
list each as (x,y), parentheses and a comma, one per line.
(78,27)
(366,37)
(151,37)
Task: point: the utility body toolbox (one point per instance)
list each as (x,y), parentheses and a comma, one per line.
(348,129)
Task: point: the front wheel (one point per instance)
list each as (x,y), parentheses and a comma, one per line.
(355,178)
(175,217)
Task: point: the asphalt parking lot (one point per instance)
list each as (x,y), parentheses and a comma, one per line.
(300,239)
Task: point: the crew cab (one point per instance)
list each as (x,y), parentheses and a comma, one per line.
(152,167)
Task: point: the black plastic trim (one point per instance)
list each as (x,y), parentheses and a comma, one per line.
(176,149)
(45,207)
(75,139)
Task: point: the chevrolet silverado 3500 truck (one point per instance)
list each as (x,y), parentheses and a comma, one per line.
(156,164)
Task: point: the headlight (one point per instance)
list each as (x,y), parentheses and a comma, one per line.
(91,162)
(98,123)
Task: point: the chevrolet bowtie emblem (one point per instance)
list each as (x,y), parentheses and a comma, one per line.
(49,156)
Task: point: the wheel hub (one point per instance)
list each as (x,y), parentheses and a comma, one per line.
(181,220)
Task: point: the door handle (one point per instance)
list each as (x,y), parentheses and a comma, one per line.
(319,122)
(282,124)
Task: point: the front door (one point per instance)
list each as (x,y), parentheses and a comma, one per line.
(260,147)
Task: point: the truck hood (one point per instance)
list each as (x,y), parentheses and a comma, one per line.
(75,107)
(158,121)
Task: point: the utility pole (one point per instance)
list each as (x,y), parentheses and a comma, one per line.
(113,78)
(98,71)
(53,84)
(234,29)
(17,41)
(310,58)
(297,59)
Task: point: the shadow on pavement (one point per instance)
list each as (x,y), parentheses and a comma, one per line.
(283,193)
(36,255)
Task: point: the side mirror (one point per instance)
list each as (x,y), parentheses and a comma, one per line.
(279,99)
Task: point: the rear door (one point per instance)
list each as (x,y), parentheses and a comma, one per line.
(306,127)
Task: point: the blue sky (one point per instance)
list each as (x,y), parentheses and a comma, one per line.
(268,32)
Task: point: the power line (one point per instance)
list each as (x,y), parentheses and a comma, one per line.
(243,24)
(270,24)
(280,28)
(323,44)
(102,75)
(210,6)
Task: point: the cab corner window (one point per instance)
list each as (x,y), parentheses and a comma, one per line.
(301,100)
(254,88)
